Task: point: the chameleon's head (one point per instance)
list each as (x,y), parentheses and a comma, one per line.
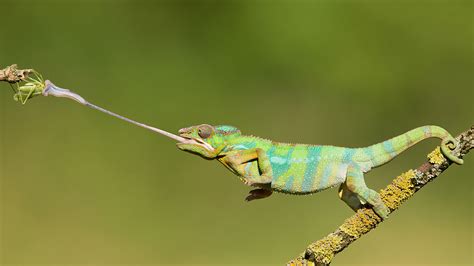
(206,140)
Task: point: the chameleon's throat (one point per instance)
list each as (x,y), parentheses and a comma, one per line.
(51,89)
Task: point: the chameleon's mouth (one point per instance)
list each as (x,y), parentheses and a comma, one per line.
(198,142)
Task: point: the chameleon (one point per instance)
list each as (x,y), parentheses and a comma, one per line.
(305,169)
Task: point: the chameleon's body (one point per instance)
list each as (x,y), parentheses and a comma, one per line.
(304,169)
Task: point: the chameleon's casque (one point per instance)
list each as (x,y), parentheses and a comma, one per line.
(304,169)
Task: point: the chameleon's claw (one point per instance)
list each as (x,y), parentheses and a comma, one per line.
(381,210)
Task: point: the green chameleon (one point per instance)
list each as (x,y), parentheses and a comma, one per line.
(305,169)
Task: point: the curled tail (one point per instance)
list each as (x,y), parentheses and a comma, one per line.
(383,152)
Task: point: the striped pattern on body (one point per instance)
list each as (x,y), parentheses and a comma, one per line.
(306,169)
(302,169)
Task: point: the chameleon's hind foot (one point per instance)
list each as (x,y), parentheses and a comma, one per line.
(377,204)
(356,184)
(356,202)
(373,199)
(381,210)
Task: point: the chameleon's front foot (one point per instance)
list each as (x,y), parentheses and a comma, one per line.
(259,193)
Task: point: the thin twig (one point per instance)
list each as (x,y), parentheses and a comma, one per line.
(12,74)
(364,220)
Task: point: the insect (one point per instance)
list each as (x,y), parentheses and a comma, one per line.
(32,87)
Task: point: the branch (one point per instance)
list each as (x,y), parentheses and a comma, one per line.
(364,220)
(12,74)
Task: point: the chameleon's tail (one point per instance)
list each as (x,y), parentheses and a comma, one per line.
(383,152)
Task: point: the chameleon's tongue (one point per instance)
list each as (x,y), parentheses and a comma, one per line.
(51,89)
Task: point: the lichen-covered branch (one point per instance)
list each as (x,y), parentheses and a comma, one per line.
(364,220)
(12,74)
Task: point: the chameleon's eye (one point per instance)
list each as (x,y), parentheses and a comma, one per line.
(205,131)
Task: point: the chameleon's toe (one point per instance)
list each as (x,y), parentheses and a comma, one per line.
(259,193)
(381,210)
(377,204)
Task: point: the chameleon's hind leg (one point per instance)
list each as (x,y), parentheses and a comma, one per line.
(349,197)
(356,184)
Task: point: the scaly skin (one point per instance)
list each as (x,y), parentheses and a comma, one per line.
(304,169)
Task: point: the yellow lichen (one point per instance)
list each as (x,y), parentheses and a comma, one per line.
(361,223)
(400,190)
(392,196)
(300,262)
(324,249)
(436,157)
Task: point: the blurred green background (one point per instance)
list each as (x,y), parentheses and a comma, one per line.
(80,187)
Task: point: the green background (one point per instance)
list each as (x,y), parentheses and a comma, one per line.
(80,187)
